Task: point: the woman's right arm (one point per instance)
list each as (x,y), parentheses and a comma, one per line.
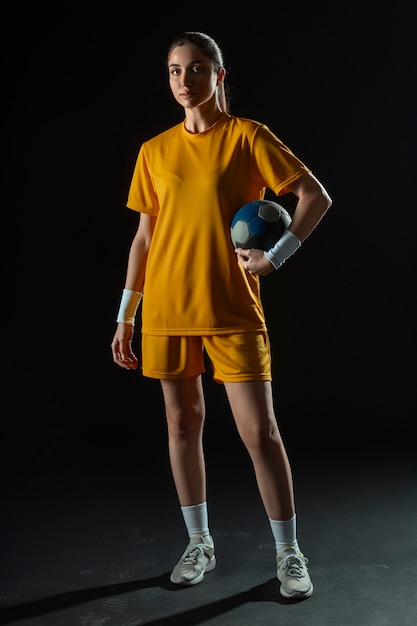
(135,277)
(138,253)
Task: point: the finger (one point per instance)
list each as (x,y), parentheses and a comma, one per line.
(242,254)
(121,357)
(127,363)
(130,359)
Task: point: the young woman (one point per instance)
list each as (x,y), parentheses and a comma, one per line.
(200,294)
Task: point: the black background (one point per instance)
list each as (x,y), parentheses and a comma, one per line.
(83,86)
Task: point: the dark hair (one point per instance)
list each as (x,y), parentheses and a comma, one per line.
(210,49)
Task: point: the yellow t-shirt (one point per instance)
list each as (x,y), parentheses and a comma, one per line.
(194,184)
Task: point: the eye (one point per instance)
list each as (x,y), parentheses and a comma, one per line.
(197,68)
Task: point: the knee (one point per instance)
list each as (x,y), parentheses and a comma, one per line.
(182,425)
(260,440)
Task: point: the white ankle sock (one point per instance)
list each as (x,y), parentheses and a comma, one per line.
(285,535)
(196,519)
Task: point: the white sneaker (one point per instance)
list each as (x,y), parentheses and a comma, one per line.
(293,575)
(197,559)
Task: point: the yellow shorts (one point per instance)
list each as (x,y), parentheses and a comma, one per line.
(234,358)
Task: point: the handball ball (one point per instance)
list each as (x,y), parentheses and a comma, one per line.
(259,224)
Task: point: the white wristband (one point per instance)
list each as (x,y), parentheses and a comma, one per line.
(128,306)
(283,249)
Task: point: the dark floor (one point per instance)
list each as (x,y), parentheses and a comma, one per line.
(96,549)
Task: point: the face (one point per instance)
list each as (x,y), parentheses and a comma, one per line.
(192,77)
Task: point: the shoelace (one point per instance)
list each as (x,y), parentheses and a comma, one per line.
(293,566)
(193,554)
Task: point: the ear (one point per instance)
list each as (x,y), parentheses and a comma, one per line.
(220,76)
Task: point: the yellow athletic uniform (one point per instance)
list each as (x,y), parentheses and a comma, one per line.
(194,184)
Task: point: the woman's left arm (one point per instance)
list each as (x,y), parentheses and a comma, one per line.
(313,202)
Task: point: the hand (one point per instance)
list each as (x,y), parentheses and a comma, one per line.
(122,347)
(254,261)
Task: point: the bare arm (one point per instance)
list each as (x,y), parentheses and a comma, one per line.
(313,202)
(135,277)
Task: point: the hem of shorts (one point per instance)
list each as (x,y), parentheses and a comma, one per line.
(250,378)
(165,376)
(227,379)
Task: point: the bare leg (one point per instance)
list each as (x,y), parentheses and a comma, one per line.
(185,413)
(253,411)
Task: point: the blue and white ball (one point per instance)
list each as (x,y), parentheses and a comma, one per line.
(259,224)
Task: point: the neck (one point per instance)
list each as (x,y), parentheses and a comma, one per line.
(197,120)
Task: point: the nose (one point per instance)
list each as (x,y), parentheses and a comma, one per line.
(186,79)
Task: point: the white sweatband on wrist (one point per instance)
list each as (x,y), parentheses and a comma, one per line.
(283,249)
(128,306)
